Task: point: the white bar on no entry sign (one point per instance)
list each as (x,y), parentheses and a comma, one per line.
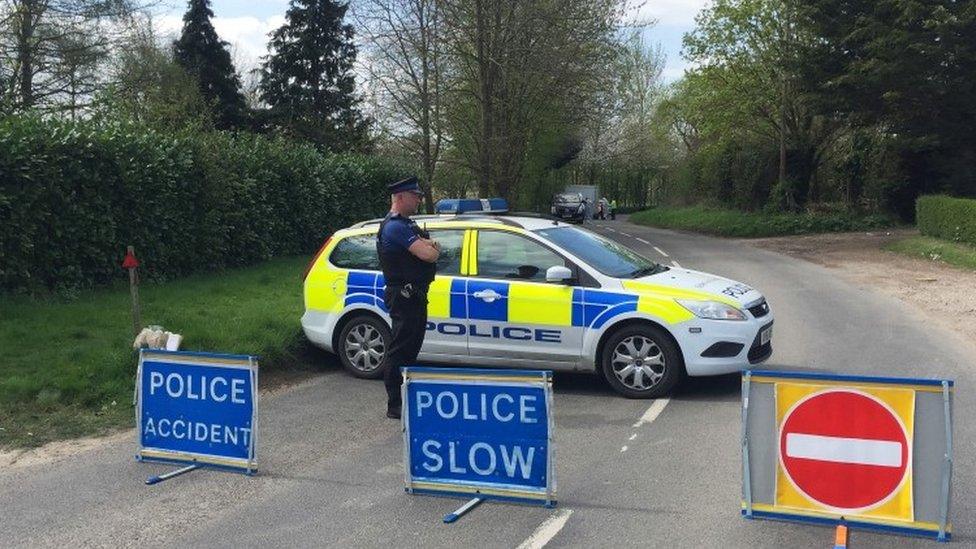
(884,453)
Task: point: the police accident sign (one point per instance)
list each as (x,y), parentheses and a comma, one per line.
(479,433)
(198,408)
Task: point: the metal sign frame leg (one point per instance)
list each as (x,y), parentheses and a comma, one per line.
(471,504)
(946,465)
(166,476)
(746,474)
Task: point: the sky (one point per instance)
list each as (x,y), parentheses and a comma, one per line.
(245,24)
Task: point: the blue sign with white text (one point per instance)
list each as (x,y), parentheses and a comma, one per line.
(481,432)
(197,408)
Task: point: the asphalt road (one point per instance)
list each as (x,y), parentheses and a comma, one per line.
(331,472)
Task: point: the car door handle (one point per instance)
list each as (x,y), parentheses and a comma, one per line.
(487,295)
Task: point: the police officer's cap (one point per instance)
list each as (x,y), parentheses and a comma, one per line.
(409,184)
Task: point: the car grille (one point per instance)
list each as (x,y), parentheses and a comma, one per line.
(760,309)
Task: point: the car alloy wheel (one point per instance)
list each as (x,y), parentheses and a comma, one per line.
(641,361)
(638,363)
(363,346)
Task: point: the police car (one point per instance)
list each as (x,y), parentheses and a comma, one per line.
(534,293)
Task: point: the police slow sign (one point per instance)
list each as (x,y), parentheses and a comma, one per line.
(197,408)
(479,433)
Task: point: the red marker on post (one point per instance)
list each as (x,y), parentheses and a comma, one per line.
(131,263)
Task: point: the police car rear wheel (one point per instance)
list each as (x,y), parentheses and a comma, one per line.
(641,362)
(363,345)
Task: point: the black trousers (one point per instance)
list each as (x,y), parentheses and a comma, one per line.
(409,315)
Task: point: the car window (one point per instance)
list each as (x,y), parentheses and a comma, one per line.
(356,252)
(449,262)
(604,255)
(359,252)
(507,255)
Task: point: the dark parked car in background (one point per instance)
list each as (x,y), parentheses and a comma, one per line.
(569,206)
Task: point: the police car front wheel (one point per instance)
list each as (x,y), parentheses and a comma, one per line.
(363,345)
(641,362)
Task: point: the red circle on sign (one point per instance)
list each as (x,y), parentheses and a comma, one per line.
(844,449)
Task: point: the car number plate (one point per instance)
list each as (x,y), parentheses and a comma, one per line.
(765,335)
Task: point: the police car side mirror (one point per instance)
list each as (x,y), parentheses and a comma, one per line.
(558,273)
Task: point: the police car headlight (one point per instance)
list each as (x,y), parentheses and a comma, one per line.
(712,310)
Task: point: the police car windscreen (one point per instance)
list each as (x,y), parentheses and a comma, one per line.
(563,198)
(602,254)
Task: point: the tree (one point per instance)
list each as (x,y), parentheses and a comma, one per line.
(625,144)
(747,83)
(147,85)
(206,58)
(905,68)
(523,75)
(308,80)
(50,51)
(408,67)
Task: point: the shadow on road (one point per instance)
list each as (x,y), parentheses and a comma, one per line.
(727,388)
(581,384)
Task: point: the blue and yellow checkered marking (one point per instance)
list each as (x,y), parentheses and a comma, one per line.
(593,308)
(479,309)
(458,299)
(365,287)
(586,308)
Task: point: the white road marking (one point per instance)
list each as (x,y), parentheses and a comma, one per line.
(651,414)
(625,234)
(660,251)
(676,264)
(547,530)
(611,230)
(623,449)
(633,436)
(642,240)
(860,451)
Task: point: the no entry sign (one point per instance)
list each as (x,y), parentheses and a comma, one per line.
(844,449)
(868,452)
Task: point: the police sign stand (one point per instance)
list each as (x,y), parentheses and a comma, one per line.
(485,434)
(197,409)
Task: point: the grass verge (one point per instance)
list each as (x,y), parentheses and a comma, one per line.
(723,222)
(67,366)
(960,255)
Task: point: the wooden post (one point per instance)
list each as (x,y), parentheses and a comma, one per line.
(131,263)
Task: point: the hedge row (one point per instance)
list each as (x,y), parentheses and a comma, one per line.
(947,218)
(73,195)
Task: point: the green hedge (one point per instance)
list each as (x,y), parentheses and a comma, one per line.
(73,195)
(947,218)
(735,223)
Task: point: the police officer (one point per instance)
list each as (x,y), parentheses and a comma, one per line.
(408,258)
